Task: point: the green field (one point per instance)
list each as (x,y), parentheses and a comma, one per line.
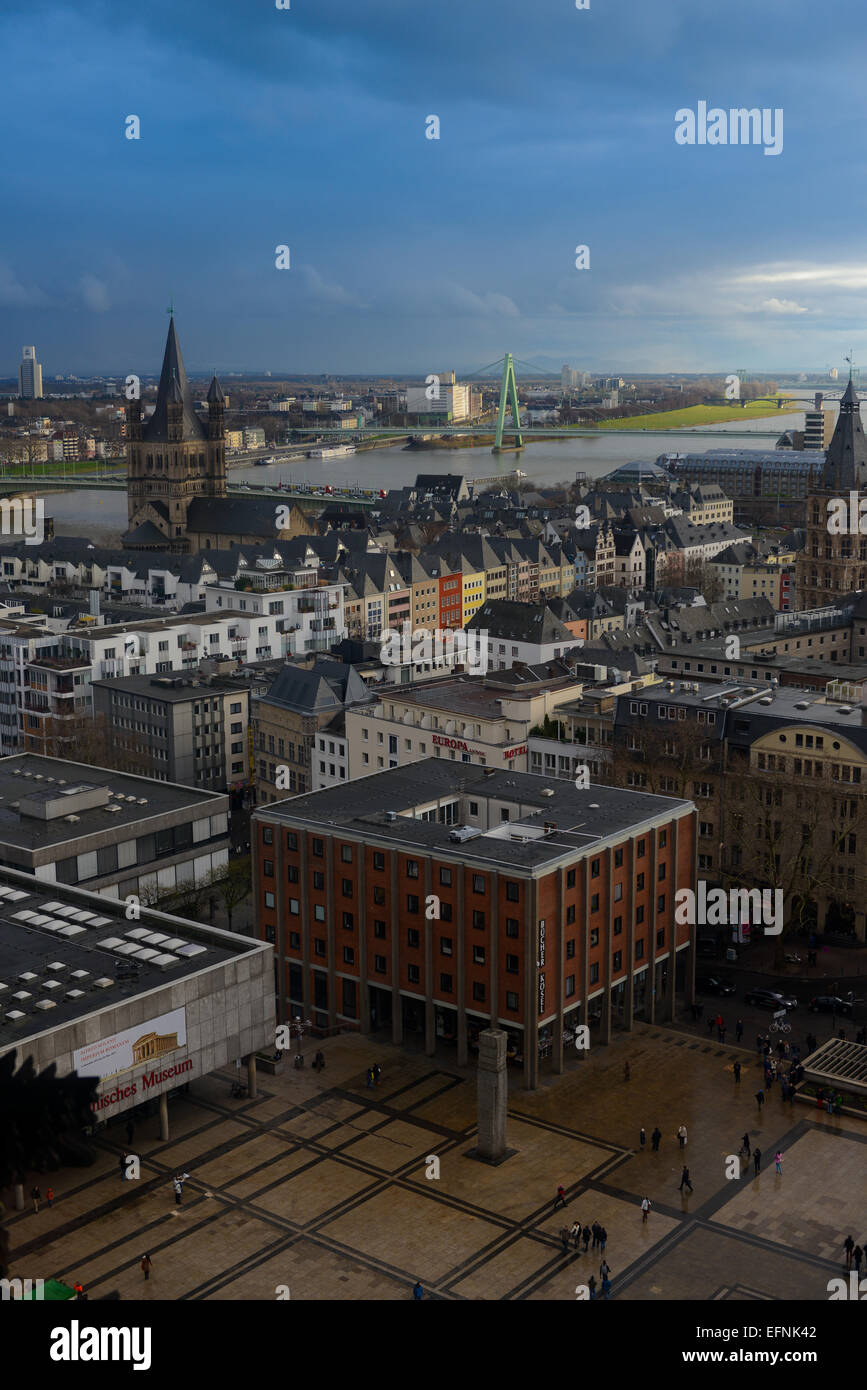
(695,415)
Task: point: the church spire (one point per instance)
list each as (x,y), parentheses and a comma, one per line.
(173,389)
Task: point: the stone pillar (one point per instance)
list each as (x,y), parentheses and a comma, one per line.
(492,1090)
(164,1116)
(251,1076)
(19,1196)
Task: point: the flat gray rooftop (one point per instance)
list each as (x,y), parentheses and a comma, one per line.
(151,687)
(579,820)
(61,948)
(31,833)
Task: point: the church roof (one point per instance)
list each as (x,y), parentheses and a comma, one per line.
(846,459)
(173,389)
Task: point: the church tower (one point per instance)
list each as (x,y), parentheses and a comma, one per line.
(832,565)
(172,457)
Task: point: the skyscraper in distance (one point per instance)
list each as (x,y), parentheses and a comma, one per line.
(29,375)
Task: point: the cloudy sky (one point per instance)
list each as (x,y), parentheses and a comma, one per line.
(306,127)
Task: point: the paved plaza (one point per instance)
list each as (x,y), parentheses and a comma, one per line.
(319,1186)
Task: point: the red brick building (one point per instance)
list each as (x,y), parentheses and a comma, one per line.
(435,898)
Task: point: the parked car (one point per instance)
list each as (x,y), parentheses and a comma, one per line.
(770,999)
(829,1004)
(712,984)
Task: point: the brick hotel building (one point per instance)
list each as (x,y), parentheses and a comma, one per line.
(549,906)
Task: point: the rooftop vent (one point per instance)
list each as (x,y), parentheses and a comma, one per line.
(391,815)
(547,791)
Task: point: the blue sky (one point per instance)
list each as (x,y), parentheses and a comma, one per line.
(306,127)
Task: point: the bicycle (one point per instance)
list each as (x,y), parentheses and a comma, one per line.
(781,1027)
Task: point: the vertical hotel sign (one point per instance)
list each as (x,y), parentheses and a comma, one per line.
(540,962)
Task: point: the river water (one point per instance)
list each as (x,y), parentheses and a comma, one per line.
(102,516)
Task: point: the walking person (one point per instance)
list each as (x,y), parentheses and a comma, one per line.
(49,1196)
(655,1138)
(778,1160)
(417,1290)
(745,1145)
(605,1287)
(739,1030)
(642,1138)
(848,1246)
(645,1210)
(757,1161)
(585,1236)
(591,1285)
(722,1034)
(564,1239)
(604,1270)
(760,1100)
(178,1190)
(684,1179)
(681,1134)
(737,1071)
(560,1199)
(603,1239)
(377,1072)
(857,1257)
(146,1266)
(576,1233)
(595,1228)
(371,1077)
(36,1195)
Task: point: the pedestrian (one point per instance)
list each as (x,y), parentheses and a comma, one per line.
(179,1190)
(655,1138)
(564,1238)
(576,1233)
(760,1100)
(585,1236)
(684,1179)
(591,1285)
(146,1266)
(642,1138)
(417,1290)
(848,1246)
(722,1034)
(645,1210)
(681,1134)
(605,1287)
(595,1228)
(318,1062)
(625,1071)
(739,1030)
(604,1270)
(370,1078)
(757,1161)
(737,1072)
(49,1196)
(603,1239)
(560,1199)
(745,1145)
(130,1132)
(857,1256)
(37,1198)
(78,1290)
(778,1159)
(377,1072)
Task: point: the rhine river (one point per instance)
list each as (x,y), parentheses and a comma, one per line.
(102,517)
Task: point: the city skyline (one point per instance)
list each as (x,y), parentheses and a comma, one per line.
(308,129)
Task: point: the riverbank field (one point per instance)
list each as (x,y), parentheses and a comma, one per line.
(693,415)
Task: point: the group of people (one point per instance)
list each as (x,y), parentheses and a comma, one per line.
(571,1237)
(854,1254)
(719,1024)
(656,1138)
(756,1155)
(36,1197)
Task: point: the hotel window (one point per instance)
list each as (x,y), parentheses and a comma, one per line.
(319,946)
(570,878)
(478,920)
(639,950)
(478,884)
(346,887)
(379,895)
(478,992)
(570,948)
(379,964)
(660,873)
(319,912)
(617,961)
(570,986)
(640,849)
(663,839)
(660,937)
(267,835)
(512,926)
(478,955)
(570,913)
(269,899)
(594,903)
(411,902)
(292,873)
(594,973)
(639,914)
(618,892)
(348,955)
(412,974)
(412,937)
(594,869)
(318,879)
(346,854)
(294,941)
(512,891)
(660,903)
(378,860)
(268,868)
(446,984)
(618,858)
(318,848)
(294,907)
(379,927)
(511,1001)
(513,965)
(348,921)
(639,882)
(446,877)
(594,936)
(445,912)
(446,945)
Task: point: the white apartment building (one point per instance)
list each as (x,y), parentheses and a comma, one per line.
(450,398)
(310,618)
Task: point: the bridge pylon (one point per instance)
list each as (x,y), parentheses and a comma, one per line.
(508,393)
